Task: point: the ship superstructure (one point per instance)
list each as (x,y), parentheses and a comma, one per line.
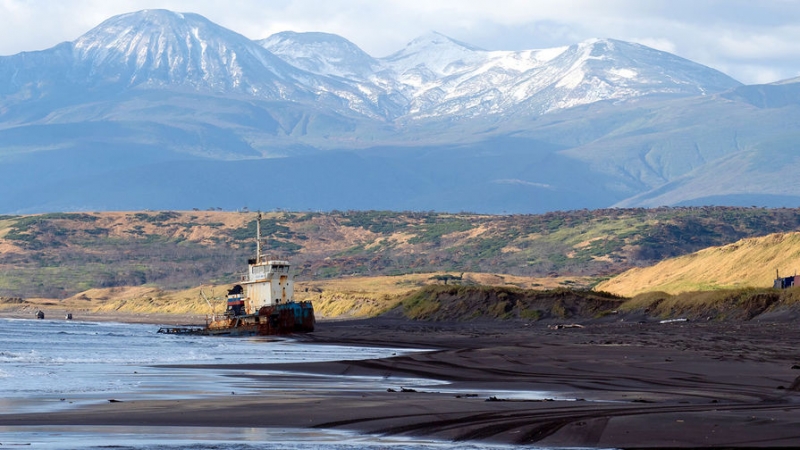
(267,283)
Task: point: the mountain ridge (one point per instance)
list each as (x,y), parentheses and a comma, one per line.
(593,124)
(161,47)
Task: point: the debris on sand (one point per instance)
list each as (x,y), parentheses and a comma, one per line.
(562,326)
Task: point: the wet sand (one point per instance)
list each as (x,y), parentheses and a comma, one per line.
(59,313)
(615,384)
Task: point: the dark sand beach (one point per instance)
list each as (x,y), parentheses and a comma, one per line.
(614,384)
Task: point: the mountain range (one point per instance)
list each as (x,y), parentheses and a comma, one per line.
(163,110)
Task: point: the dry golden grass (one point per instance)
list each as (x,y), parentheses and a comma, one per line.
(6,246)
(746,263)
(157,301)
(207,223)
(462,237)
(350,297)
(369,296)
(129,301)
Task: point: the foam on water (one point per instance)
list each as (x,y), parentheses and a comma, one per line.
(72,358)
(50,365)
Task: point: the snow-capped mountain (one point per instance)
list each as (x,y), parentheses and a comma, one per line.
(433,76)
(322,53)
(164,48)
(440,124)
(160,49)
(433,56)
(448,78)
(437,76)
(335,57)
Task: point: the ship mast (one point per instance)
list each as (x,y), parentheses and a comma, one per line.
(258,239)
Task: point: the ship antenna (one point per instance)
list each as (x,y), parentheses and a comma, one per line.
(213,310)
(258,239)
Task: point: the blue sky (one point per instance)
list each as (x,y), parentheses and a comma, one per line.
(752,41)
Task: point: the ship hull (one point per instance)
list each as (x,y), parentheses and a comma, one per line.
(283,319)
(288,318)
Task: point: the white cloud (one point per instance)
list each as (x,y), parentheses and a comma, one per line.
(749,40)
(759,45)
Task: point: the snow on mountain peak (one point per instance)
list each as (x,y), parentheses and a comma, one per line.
(479,82)
(321,53)
(164,47)
(433,75)
(436,39)
(133,33)
(435,53)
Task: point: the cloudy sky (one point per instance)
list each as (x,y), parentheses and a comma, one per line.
(752,41)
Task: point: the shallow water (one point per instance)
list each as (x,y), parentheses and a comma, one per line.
(174,438)
(47,365)
(72,360)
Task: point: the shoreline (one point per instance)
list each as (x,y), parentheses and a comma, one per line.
(622,385)
(58,314)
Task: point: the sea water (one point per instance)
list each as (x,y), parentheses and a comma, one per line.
(47,365)
(44,360)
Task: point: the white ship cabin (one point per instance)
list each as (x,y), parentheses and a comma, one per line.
(268,283)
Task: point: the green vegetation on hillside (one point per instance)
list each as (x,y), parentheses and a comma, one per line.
(56,255)
(439,303)
(725,304)
(464,303)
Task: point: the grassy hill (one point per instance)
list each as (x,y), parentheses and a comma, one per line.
(62,254)
(720,283)
(349,297)
(750,262)
(423,298)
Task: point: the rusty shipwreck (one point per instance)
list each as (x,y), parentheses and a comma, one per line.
(261,304)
